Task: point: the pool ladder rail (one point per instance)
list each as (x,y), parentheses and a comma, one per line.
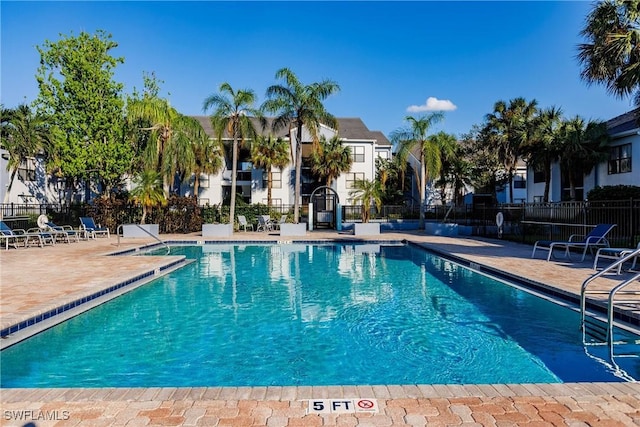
(163,243)
(601,334)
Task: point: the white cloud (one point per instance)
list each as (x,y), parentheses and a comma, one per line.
(433,104)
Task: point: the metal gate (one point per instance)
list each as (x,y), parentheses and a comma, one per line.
(325,201)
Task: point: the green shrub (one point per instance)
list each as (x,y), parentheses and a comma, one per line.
(614,192)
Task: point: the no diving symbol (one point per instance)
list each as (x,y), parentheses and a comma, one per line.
(365,404)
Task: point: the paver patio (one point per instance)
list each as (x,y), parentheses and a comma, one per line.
(34,280)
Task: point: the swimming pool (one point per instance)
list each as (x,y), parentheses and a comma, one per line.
(296,314)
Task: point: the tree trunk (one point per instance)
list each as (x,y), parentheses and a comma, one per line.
(14,172)
(547,181)
(196,185)
(421,192)
(144,214)
(296,202)
(269,186)
(510,185)
(234,171)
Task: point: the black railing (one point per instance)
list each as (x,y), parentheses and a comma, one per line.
(525,222)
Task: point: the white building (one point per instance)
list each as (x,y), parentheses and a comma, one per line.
(624,152)
(33,185)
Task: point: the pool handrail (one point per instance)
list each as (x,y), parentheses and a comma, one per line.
(119,230)
(611,293)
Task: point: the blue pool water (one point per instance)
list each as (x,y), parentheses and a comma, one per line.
(260,315)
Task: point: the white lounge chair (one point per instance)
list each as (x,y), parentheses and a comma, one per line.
(264,223)
(15,236)
(595,239)
(615,254)
(242,222)
(89,228)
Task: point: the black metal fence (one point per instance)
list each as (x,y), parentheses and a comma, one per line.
(525,222)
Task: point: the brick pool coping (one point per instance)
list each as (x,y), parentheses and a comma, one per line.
(400,405)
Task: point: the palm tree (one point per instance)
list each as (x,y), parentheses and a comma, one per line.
(148,192)
(584,145)
(232,111)
(367,193)
(268,152)
(298,105)
(330,159)
(611,55)
(543,148)
(171,133)
(456,170)
(509,127)
(207,159)
(414,138)
(23,135)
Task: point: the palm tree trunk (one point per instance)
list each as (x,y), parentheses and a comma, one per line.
(14,171)
(234,171)
(423,185)
(296,202)
(144,214)
(510,185)
(196,185)
(269,186)
(547,181)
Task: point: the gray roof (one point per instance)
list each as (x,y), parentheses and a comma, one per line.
(349,128)
(624,122)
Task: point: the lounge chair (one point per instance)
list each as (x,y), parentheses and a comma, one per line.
(264,223)
(89,228)
(14,237)
(615,254)
(595,239)
(242,222)
(62,233)
(283,219)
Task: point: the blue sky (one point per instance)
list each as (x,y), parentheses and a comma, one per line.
(389,58)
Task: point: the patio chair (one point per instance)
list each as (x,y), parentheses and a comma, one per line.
(62,233)
(89,228)
(283,219)
(264,223)
(14,236)
(595,239)
(242,222)
(615,254)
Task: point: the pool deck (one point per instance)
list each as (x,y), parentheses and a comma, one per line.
(36,280)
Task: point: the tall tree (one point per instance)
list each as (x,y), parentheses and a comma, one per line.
(455,170)
(207,159)
(170,135)
(584,145)
(148,192)
(366,193)
(543,148)
(611,54)
(298,105)
(509,127)
(24,133)
(486,169)
(232,111)
(330,159)
(268,152)
(77,91)
(414,138)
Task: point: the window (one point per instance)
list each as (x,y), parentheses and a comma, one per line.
(357,154)
(519,184)
(353,177)
(27,170)
(620,159)
(276,180)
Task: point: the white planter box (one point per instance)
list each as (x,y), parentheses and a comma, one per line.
(439,229)
(366,229)
(293,229)
(217,230)
(137,230)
